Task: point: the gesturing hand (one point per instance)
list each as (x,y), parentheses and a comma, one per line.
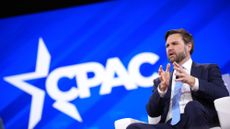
(182,75)
(164,77)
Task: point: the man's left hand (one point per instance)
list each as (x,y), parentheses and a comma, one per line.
(182,75)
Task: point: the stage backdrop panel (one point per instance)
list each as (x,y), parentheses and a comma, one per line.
(86,66)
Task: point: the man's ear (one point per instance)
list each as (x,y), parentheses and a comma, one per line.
(189,46)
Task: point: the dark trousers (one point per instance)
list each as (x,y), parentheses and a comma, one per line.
(195,117)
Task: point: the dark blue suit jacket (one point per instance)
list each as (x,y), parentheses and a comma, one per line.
(211,87)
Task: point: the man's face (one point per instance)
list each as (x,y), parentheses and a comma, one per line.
(175,48)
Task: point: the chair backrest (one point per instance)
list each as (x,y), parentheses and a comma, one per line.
(222,106)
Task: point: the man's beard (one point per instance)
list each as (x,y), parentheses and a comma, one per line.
(178,57)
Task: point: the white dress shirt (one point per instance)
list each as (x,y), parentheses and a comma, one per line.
(185,90)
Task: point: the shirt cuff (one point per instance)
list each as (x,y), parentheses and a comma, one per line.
(196,85)
(161,93)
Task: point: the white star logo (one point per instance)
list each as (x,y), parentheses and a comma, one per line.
(38,95)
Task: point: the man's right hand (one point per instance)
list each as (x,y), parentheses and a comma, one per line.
(164,77)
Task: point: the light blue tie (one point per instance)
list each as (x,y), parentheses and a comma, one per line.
(175,103)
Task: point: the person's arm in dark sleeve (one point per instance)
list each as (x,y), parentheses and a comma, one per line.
(212,88)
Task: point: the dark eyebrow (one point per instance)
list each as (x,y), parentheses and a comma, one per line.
(173,43)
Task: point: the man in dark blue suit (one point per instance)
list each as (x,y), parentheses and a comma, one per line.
(189,90)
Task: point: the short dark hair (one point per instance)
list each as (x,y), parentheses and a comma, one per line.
(186,36)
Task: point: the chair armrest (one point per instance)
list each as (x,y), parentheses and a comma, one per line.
(125,122)
(222,106)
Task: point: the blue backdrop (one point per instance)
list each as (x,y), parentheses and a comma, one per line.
(85,67)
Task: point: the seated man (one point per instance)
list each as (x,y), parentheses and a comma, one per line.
(185,97)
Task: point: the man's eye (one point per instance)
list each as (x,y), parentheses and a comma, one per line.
(174,43)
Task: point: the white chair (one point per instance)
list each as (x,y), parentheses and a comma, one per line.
(222,106)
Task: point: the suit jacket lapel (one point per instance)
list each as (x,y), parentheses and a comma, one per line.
(195,70)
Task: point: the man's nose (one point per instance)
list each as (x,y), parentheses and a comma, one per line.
(170,48)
